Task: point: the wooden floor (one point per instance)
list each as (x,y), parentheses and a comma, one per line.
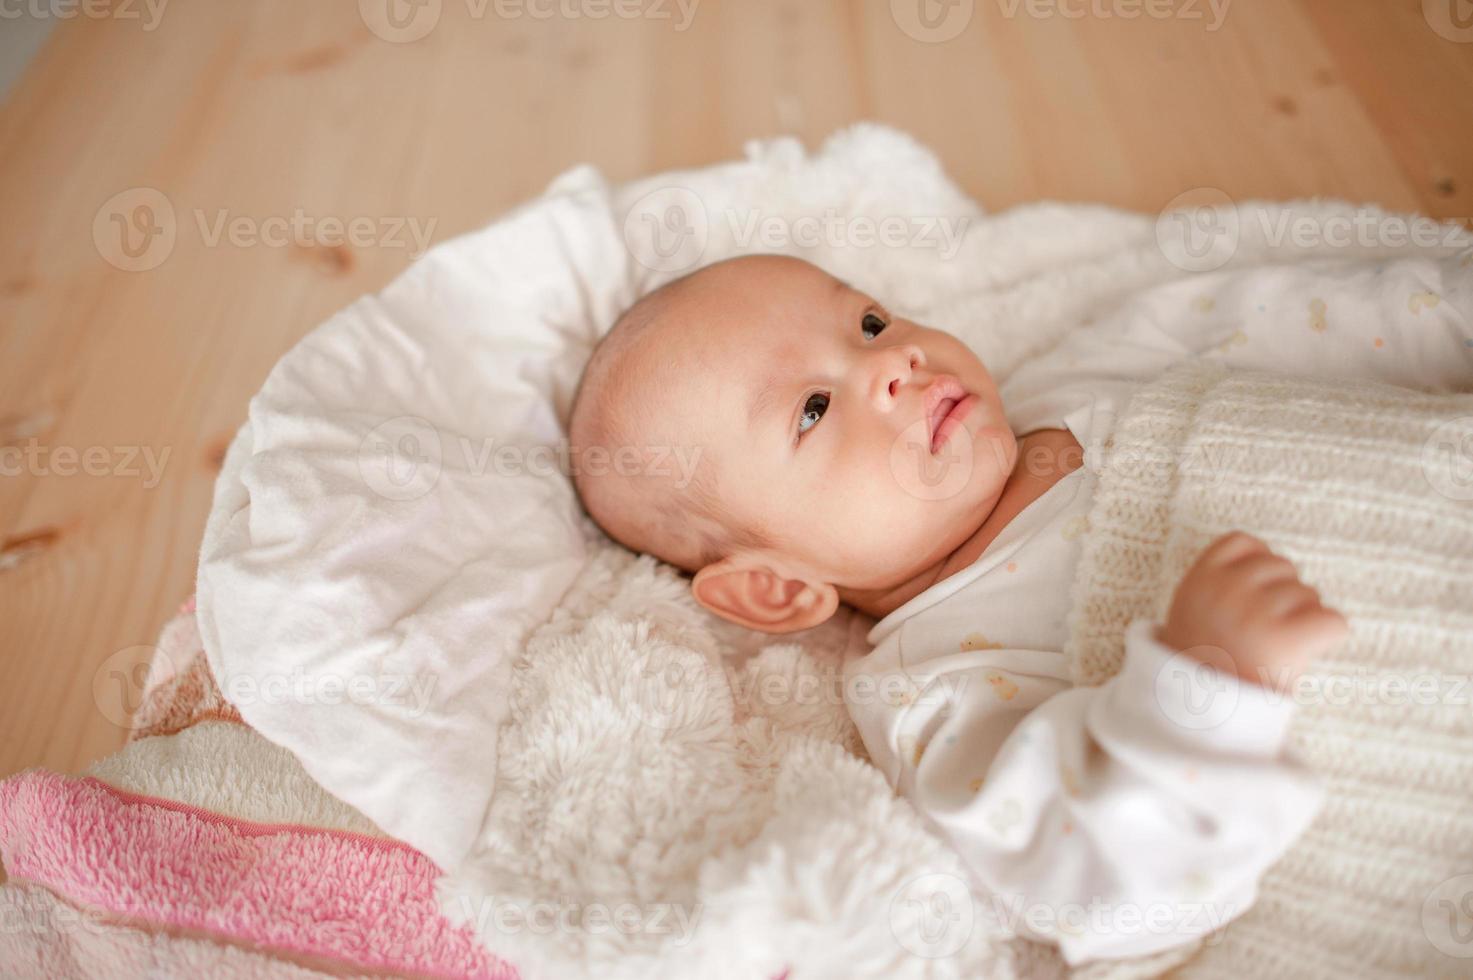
(290,108)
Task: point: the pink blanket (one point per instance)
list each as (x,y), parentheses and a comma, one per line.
(312,895)
(108,882)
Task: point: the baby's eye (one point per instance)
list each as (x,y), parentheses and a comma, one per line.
(813,410)
(872,325)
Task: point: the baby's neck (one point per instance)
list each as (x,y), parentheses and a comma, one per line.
(1044,458)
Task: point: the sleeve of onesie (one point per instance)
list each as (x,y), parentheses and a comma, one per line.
(1116,820)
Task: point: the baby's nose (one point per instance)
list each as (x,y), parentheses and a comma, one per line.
(899,364)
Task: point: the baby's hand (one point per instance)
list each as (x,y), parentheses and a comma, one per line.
(1242,609)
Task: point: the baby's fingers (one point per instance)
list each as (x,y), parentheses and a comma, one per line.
(1231,547)
(1316,628)
(1265,571)
(1285,596)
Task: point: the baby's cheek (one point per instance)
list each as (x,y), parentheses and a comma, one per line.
(886,542)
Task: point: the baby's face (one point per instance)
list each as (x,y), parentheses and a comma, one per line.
(868,447)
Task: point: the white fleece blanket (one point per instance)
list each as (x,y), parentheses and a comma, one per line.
(390,528)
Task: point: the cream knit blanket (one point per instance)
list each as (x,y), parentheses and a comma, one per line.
(1368,489)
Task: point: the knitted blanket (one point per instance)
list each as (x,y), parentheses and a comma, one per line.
(1368,489)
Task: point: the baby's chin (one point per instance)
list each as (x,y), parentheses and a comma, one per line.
(963,517)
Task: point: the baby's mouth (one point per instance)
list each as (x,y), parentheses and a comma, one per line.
(947,404)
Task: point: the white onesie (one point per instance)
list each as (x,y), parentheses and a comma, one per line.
(1119,820)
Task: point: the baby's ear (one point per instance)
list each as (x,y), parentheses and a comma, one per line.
(751,594)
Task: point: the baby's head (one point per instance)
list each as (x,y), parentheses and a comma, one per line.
(785,438)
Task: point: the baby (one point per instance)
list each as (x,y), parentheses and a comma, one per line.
(848,455)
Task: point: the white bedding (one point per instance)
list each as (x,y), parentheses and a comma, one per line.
(386,532)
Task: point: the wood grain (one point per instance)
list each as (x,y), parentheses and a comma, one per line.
(272,109)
